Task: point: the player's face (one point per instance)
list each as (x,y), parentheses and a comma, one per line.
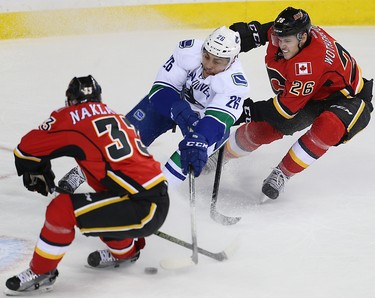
(288,46)
(212,65)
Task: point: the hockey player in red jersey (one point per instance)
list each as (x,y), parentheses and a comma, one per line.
(130,200)
(317,83)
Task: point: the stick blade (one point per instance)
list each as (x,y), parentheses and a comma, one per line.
(176,263)
(230,250)
(223,219)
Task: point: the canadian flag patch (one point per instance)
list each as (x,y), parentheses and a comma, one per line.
(303,68)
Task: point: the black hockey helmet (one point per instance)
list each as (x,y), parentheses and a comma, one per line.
(291,21)
(83,89)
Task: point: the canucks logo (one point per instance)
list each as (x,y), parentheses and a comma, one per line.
(186,43)
(139,115)
(239,79)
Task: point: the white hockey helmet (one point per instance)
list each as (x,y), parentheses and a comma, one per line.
(223,43)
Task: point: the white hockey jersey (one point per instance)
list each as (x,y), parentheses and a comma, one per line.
(219,96)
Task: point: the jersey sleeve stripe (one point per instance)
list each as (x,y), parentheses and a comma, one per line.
(360,84)
(158,85)
(20,155)
(221,115)
(280,110)
(154,181)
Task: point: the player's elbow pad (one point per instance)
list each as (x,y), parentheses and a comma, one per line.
(211,129)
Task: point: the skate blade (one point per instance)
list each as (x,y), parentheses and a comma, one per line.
(32,292)
(124,264)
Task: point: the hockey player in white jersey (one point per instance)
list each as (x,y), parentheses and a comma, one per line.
(201,89)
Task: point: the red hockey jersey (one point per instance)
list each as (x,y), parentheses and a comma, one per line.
(320,69)
(104,144)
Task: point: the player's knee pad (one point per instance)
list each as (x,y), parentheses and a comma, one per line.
(327,130)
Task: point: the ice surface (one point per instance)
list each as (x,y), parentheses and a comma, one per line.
(316,240)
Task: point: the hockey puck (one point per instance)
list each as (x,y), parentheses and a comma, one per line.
(151,270)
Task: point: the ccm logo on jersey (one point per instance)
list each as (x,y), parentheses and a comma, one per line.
(303,68)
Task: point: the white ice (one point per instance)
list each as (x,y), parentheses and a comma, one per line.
(317,240)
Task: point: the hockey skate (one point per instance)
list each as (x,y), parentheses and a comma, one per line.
(72,180)
(103,258)
(212,163)
(274,183)
(28,282)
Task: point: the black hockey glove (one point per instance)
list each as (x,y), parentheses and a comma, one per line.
(246,112)
(42,183)
(251,35)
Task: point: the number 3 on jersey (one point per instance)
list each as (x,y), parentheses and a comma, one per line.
(120,148)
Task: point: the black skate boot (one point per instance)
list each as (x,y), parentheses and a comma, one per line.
(104,258)
(28,282)
(274,183)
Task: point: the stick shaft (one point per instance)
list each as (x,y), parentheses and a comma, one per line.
(220,256)
(194,256)
(219,167)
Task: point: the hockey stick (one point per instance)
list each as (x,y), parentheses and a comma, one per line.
(193,221)
(219,256)
(193,260)
(6,148)
(215,215)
